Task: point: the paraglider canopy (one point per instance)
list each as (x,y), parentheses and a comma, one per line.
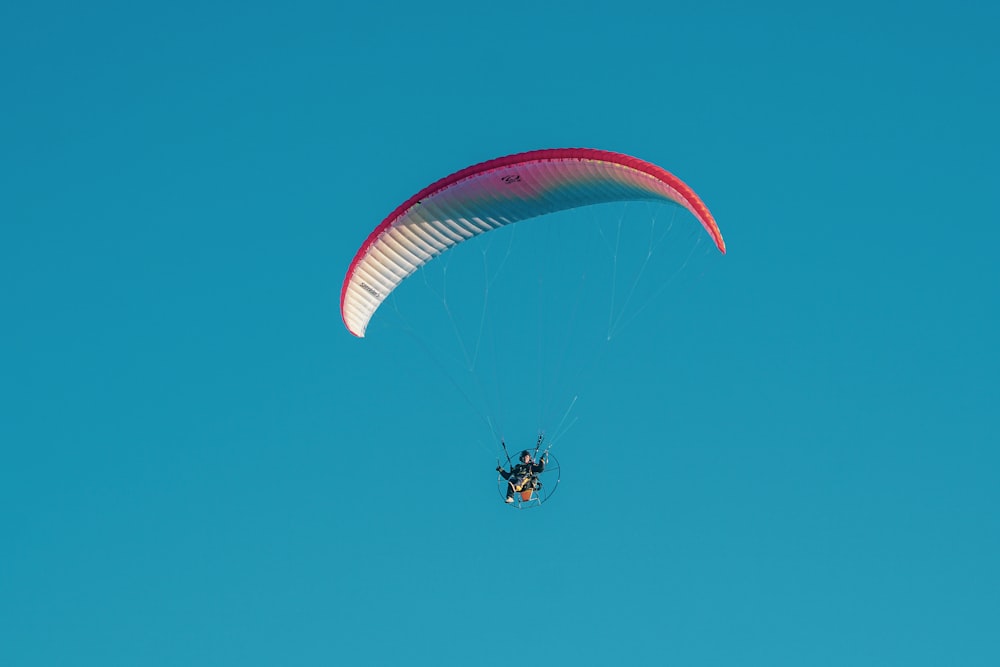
(492,194)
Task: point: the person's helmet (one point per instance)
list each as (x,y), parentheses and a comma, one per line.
(525,453)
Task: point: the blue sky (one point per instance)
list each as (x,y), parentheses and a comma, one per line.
(789,459)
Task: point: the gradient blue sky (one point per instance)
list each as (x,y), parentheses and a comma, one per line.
(200,466)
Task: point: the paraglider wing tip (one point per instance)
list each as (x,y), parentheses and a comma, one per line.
(352,328)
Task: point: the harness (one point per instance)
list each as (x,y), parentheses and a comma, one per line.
(523,478)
